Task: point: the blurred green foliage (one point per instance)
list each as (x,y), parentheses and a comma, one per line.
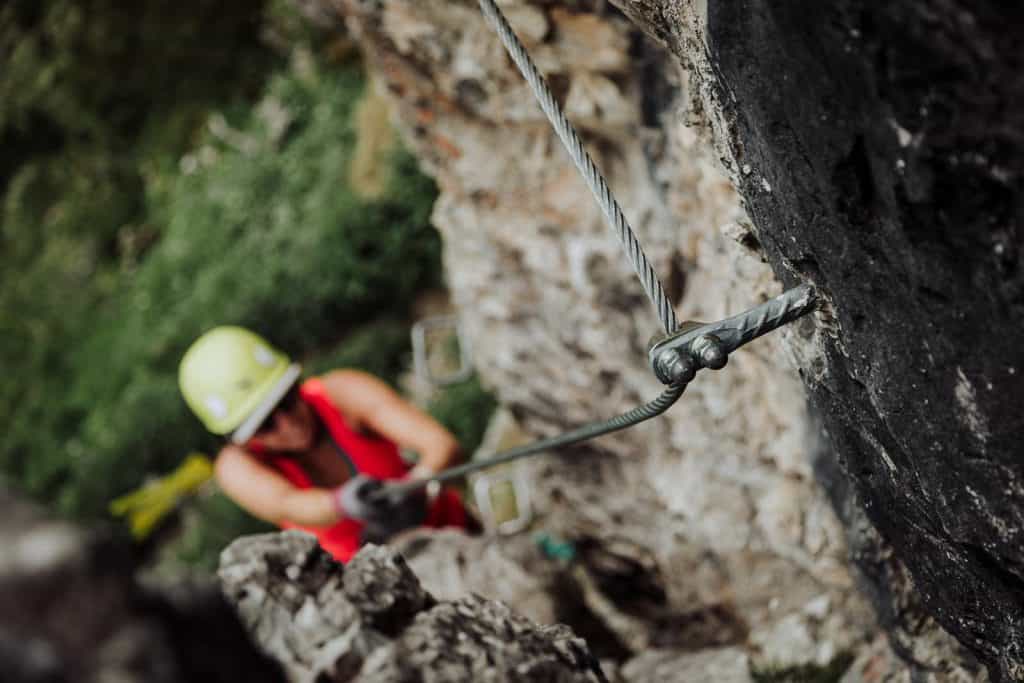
(165,172)
(465,408)
(93,96)
(260,231)
(115,80)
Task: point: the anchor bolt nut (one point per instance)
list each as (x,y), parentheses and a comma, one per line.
(708,348)
(673,367)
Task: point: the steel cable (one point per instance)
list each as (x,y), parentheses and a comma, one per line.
(631,245)
(645,412)
(595,181)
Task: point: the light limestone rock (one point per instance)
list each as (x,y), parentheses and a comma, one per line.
(451,565)
(371,620)
(293,601)
(727,665)
(715,501)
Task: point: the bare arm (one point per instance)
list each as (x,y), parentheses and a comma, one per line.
(266,494)
(374,405)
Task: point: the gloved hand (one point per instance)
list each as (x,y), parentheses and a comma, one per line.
(421,471)
(383,512)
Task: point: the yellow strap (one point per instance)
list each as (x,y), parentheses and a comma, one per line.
(147,505)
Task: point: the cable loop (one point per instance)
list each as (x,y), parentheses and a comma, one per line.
(645,412)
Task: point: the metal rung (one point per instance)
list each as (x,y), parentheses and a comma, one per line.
(483,489)
(422,355)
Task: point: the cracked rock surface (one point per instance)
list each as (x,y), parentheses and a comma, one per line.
(873,150)
(878,151)
(704,528)
(371,620)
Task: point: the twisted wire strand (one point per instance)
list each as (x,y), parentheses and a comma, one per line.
(595,181)
(617,221)
(645,412)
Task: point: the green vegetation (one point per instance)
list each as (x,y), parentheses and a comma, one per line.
(464,408)
(165,172)
(93,99)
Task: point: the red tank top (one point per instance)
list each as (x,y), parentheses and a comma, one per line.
(370,455)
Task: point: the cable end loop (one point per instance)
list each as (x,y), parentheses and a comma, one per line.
(695,345)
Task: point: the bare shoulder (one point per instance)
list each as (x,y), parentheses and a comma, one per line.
(346,378)
(358,394)
(350,385)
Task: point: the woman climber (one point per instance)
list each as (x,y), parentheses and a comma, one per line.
(312,454)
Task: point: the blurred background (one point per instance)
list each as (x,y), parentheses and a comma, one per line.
(169,167)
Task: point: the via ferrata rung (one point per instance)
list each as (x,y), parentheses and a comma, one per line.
(423,354)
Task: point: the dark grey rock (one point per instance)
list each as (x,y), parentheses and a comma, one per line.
(384,590)
(878,147)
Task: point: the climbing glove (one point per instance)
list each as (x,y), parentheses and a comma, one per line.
(384,513)
(147,506)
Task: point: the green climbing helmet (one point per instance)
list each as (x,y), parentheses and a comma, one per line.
(232,379)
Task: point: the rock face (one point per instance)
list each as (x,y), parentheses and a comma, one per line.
(70,610)
(876,149)
(728,664)
(513,570)
(371,620)
(705,528)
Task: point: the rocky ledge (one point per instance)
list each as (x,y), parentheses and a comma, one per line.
(371,620)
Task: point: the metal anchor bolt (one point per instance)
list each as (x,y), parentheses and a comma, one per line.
(709,349)
(674,364)
(708,345)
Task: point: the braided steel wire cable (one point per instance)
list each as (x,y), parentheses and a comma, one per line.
(595,181)
(677,358)
(645,412)
(617,221)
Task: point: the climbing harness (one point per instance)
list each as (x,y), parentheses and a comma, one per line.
(685,349)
